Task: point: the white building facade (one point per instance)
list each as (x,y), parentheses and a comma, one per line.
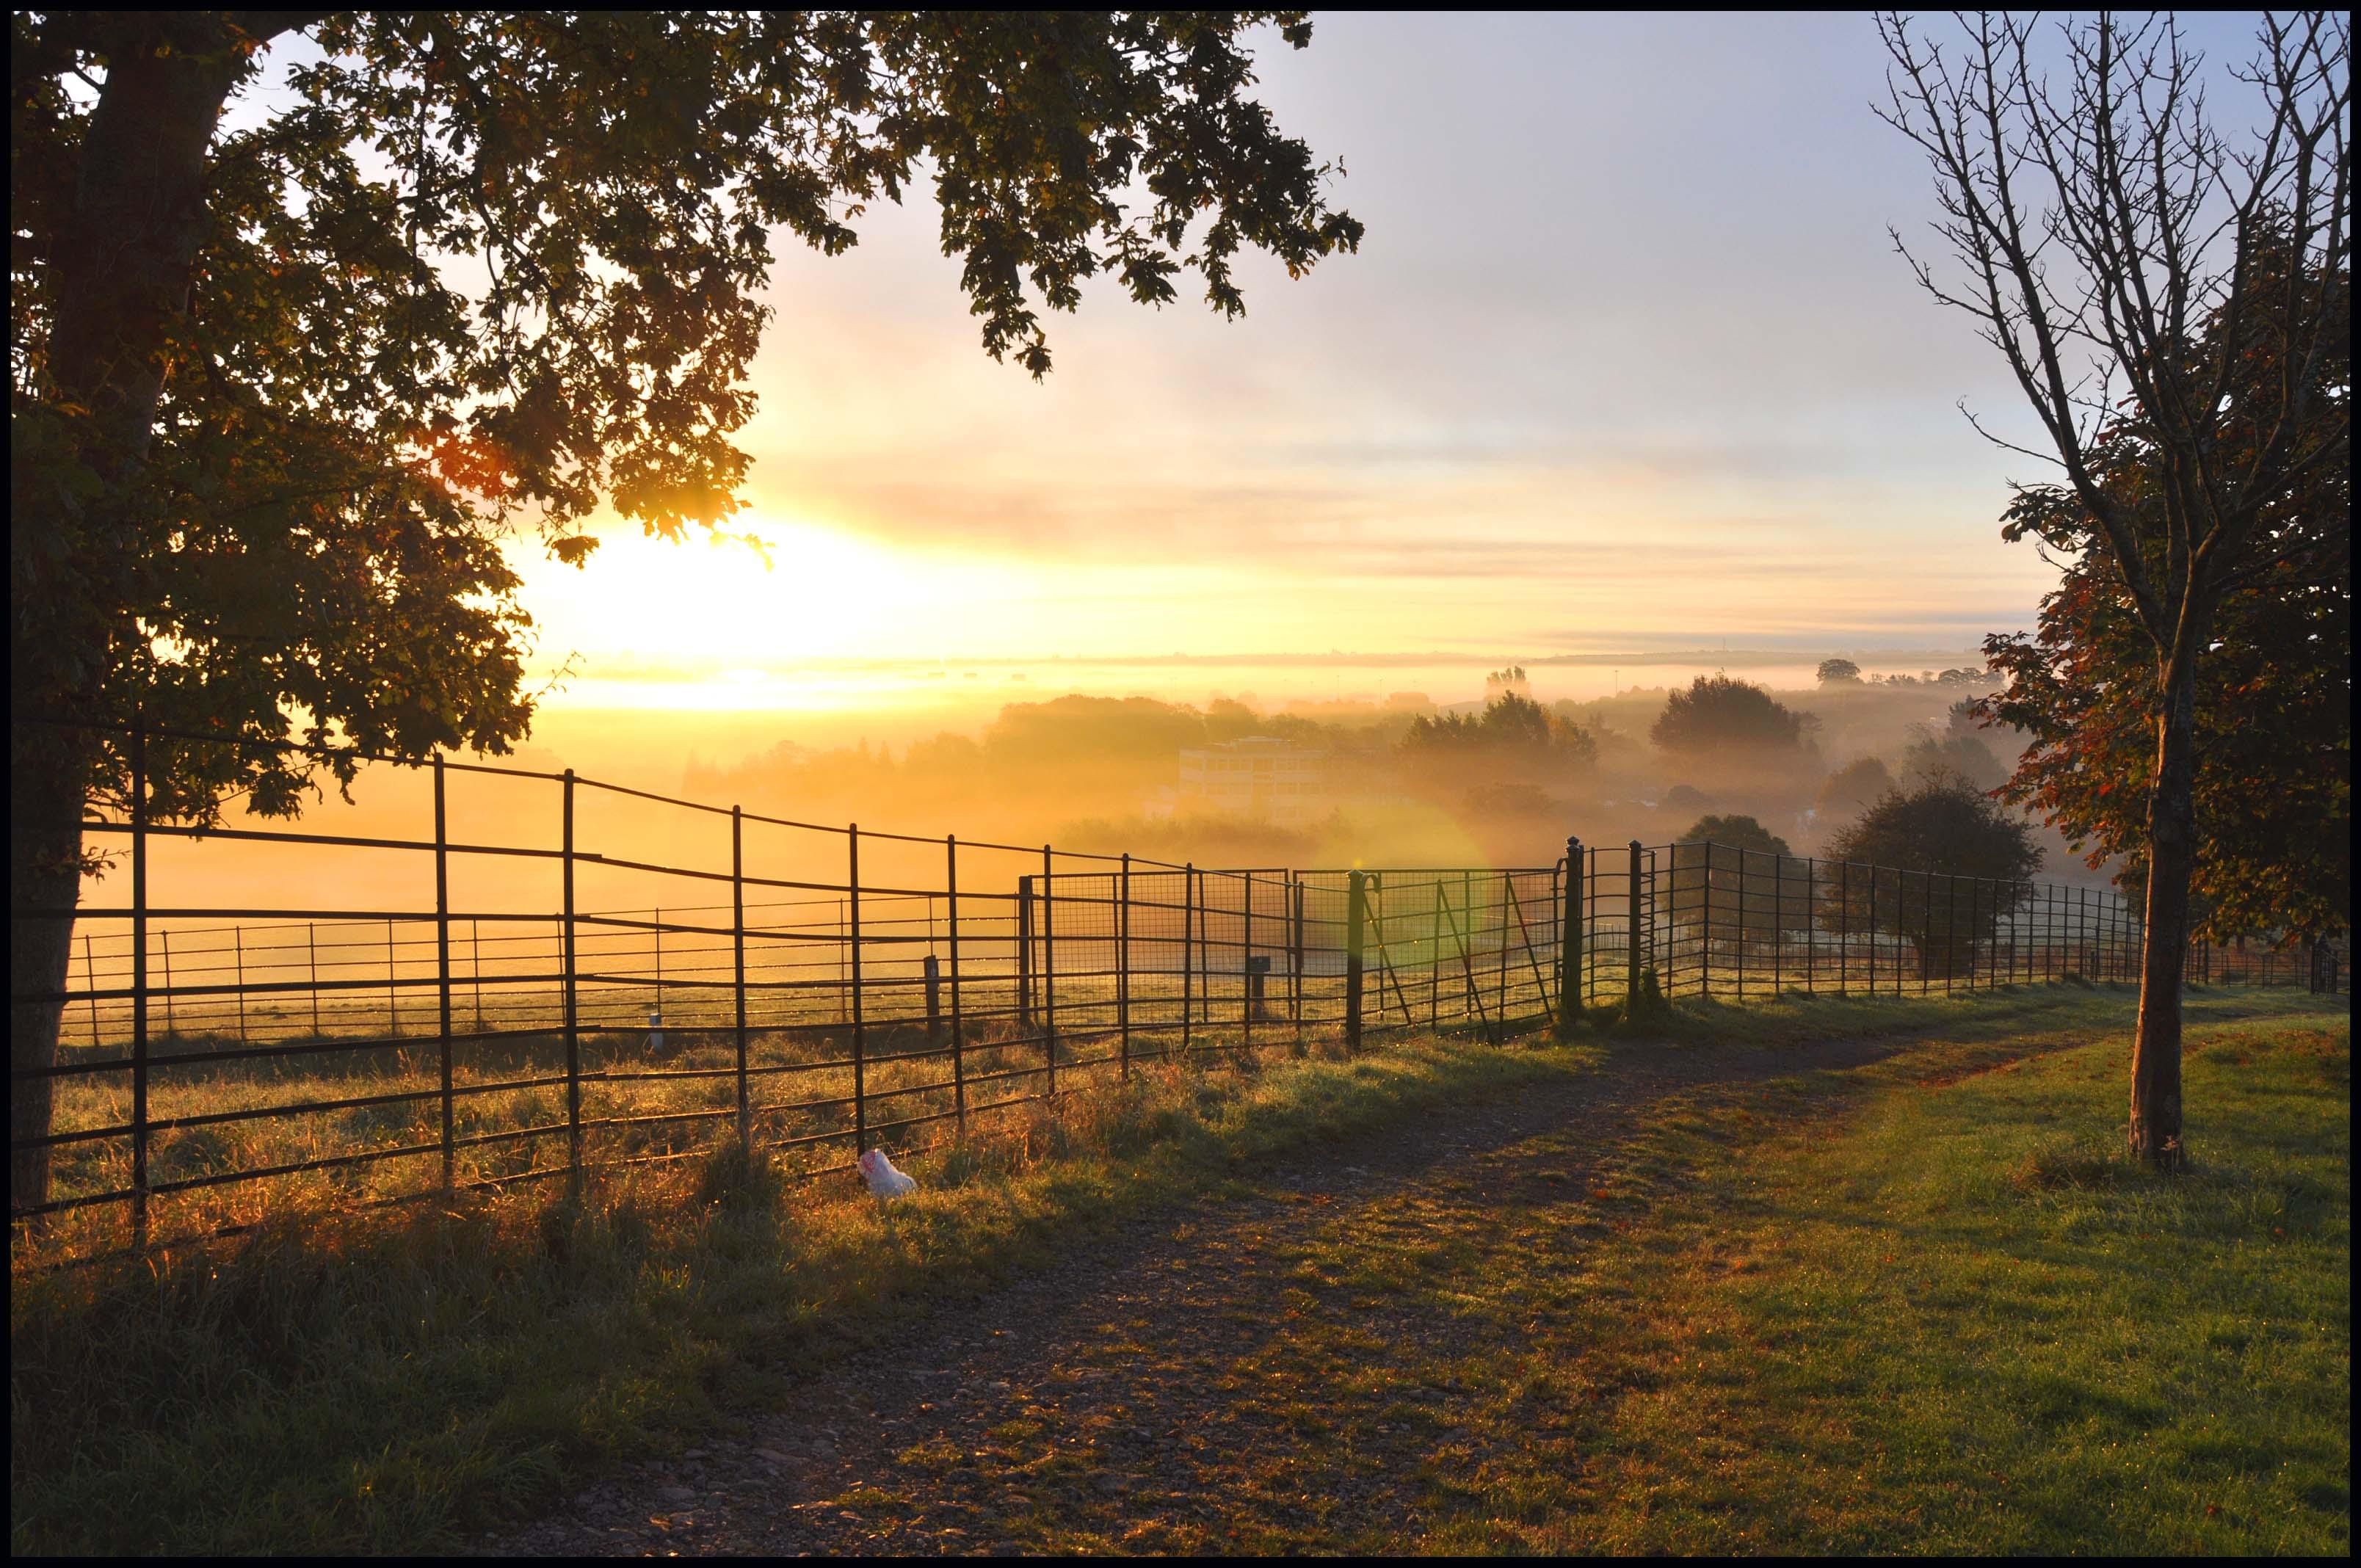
(1260,776)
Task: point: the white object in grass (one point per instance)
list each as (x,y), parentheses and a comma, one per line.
(882,1179)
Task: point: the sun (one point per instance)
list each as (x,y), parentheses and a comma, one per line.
(725,607)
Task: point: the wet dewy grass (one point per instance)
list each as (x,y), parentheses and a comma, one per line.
(1925,1306)
(1914,1306)
(383,1382)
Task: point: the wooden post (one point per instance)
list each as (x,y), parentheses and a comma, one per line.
(237,947)
(1356,910)
(1569,943)
(172,1026)
(311,948)
(392,1002)
(443,967)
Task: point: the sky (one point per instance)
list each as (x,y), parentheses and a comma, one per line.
(1627,361)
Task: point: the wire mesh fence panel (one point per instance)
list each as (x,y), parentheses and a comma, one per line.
(522,975)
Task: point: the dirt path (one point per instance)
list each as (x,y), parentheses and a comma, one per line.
(1147,1394)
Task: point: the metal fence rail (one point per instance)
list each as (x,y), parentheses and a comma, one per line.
(1704,919)
(814,991)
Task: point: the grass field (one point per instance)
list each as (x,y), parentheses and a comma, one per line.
(1917,1305)
(1947,1317)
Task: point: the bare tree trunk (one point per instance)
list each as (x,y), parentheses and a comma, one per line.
(2164,954)
(124,264)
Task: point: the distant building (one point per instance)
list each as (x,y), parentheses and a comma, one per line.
(1259,777)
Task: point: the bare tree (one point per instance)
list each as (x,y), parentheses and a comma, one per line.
(2133,264)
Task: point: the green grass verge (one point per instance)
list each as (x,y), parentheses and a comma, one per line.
(387,1384)
(1929,1307)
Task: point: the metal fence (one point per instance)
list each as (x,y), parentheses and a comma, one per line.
(812,990)
(1707,919)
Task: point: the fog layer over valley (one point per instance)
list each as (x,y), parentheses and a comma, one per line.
(1498,775)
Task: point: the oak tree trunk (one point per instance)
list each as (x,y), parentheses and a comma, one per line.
(123,267)
(2164,954)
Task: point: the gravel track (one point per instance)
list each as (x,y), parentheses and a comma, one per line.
(1146,1393)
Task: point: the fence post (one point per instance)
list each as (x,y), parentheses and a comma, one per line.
(1355,908)
(1122,972)
(1705,942)
(311,948)
(442,963)
(852,970)
(1778,925)
(1975,957)
(1295,952)
(90,985)
(573,1017)
(237,948)
(1742,922)
(1249,983)
(1569,943)
(1501,984)
(738,970)
(1871,922)
(1466,928)
(1434,965)
(140,980)
(1187,954)
(931,975)
(1631,956)
(1927,926)
(171,1025)
(475,968)
(1811,926)
(959,1023)
(1048,972)
(1024,953)
(1844,927)
(392,1002)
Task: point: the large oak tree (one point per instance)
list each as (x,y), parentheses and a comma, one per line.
(276,390)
